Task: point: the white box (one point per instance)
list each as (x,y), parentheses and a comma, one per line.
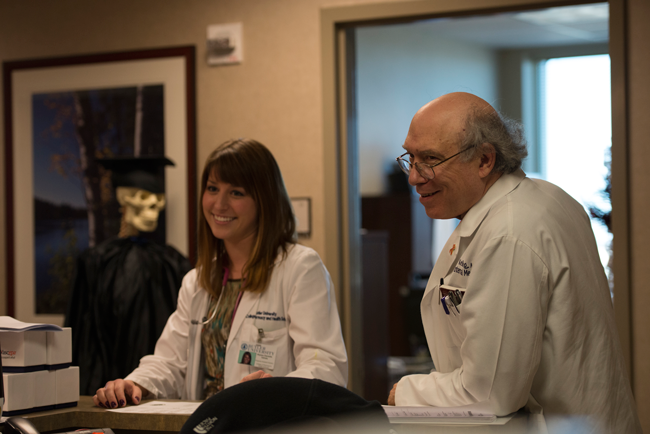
(19,391)
(28,390)
(22,349)
(67,385)
(44,388)
(59,347)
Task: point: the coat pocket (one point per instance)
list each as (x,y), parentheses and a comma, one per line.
(277,341)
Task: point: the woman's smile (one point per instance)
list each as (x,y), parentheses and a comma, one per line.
(221,219)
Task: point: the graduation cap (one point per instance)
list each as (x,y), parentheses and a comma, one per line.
(141,172)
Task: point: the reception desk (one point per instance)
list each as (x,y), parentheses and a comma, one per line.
(86,415)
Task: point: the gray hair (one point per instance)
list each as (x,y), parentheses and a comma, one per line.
(505,134)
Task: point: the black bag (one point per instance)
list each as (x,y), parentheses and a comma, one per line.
(283,404)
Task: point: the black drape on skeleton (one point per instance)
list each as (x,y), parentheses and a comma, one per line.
(124,291)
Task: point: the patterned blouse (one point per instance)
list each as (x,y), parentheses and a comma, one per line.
(214,337)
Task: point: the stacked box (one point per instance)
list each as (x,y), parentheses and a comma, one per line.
(36,371)
(23,351)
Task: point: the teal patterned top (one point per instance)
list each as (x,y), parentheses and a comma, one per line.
(214,337)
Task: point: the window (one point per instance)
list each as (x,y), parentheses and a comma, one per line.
(575,125)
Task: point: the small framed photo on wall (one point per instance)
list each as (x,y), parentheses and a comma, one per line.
(302,211)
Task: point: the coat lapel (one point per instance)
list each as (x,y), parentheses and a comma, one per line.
(446,260)
(246,305)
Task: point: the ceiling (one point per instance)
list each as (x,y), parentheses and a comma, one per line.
(568,25)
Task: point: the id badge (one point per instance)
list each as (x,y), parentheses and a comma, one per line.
(259,355)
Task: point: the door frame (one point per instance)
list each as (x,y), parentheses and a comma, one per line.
(342,210)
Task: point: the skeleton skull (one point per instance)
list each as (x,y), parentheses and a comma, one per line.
(141,207)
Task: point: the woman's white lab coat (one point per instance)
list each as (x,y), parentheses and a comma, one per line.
(297,314)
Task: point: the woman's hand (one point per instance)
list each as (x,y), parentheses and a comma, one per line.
(115,393)
(255,376)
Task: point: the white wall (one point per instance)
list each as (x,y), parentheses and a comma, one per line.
(400,68)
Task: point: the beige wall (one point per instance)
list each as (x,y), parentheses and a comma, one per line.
(276,96)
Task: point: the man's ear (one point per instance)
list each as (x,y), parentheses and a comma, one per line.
(488,157)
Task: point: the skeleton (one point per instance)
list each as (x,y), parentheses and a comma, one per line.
(140,210)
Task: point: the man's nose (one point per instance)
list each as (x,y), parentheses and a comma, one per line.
(415,178)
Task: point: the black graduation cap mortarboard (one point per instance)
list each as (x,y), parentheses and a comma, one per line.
(141,172)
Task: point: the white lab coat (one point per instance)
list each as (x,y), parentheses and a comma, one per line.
(297,312)
(536,326)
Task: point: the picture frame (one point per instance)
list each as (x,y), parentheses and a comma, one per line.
(173,68)
(302,211)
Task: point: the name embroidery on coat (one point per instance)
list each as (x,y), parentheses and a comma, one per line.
(463,268)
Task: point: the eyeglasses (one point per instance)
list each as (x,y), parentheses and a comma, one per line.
(425,170)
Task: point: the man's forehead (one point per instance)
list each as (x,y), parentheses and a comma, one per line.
(427,148)
(429,136)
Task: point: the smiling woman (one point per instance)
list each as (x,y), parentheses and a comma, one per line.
(242,181)
(256,305)
(231,214)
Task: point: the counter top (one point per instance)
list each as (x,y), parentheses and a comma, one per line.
(86,415)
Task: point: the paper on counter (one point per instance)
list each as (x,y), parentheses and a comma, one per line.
(160,407)
(9,324)
(472,414)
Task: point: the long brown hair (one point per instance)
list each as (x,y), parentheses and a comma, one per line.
(248,164)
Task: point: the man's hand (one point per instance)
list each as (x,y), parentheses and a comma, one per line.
(391,395)
(115,393)
(255,376)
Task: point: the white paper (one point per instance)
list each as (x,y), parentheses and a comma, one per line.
(476,413)
(160,407)
(9,324)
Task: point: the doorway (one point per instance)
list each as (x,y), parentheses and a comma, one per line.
(349,141)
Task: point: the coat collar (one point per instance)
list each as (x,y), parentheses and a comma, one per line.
(504,185)
(462,235)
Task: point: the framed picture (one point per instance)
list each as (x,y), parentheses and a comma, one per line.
(62,115)
(302,211)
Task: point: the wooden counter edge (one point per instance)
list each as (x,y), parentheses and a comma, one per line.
(86,415)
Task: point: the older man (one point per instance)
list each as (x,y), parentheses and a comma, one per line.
(517,312)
